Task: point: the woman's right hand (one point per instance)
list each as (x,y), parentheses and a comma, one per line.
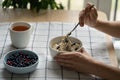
(88,16)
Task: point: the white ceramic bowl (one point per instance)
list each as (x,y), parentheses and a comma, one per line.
(54,52)
(20,70)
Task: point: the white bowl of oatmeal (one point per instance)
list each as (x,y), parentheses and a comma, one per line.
(61,44)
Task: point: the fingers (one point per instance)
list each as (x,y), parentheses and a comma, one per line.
(67,55)
(82,50)
(81,18)
(70,55)
(65,59)
(88,16)
(94,10)
(88,8)
(94,13)
(65,63)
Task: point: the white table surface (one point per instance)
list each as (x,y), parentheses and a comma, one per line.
(93,41)
(116,43)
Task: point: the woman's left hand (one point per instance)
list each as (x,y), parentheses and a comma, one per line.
(78,61)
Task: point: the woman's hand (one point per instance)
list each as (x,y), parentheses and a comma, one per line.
(88,16)
(78,61)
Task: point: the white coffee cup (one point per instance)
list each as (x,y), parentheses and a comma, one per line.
(20,34)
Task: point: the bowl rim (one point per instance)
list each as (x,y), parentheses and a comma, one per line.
(20,67)
(50,46)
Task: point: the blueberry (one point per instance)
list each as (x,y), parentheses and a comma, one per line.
(21,60)
(76,48)
(58,47)
(73,44)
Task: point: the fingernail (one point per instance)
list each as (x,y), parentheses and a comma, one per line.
(81,24)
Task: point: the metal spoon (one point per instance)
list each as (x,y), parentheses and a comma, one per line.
(66,37)
(72,30)
(76,25)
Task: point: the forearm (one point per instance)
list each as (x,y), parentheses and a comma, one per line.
(105,71)
(111,28)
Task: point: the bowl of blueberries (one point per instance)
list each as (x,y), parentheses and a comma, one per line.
(21,61)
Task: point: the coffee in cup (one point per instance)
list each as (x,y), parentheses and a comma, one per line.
(20,34)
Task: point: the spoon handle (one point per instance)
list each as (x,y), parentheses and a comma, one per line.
(73,29)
